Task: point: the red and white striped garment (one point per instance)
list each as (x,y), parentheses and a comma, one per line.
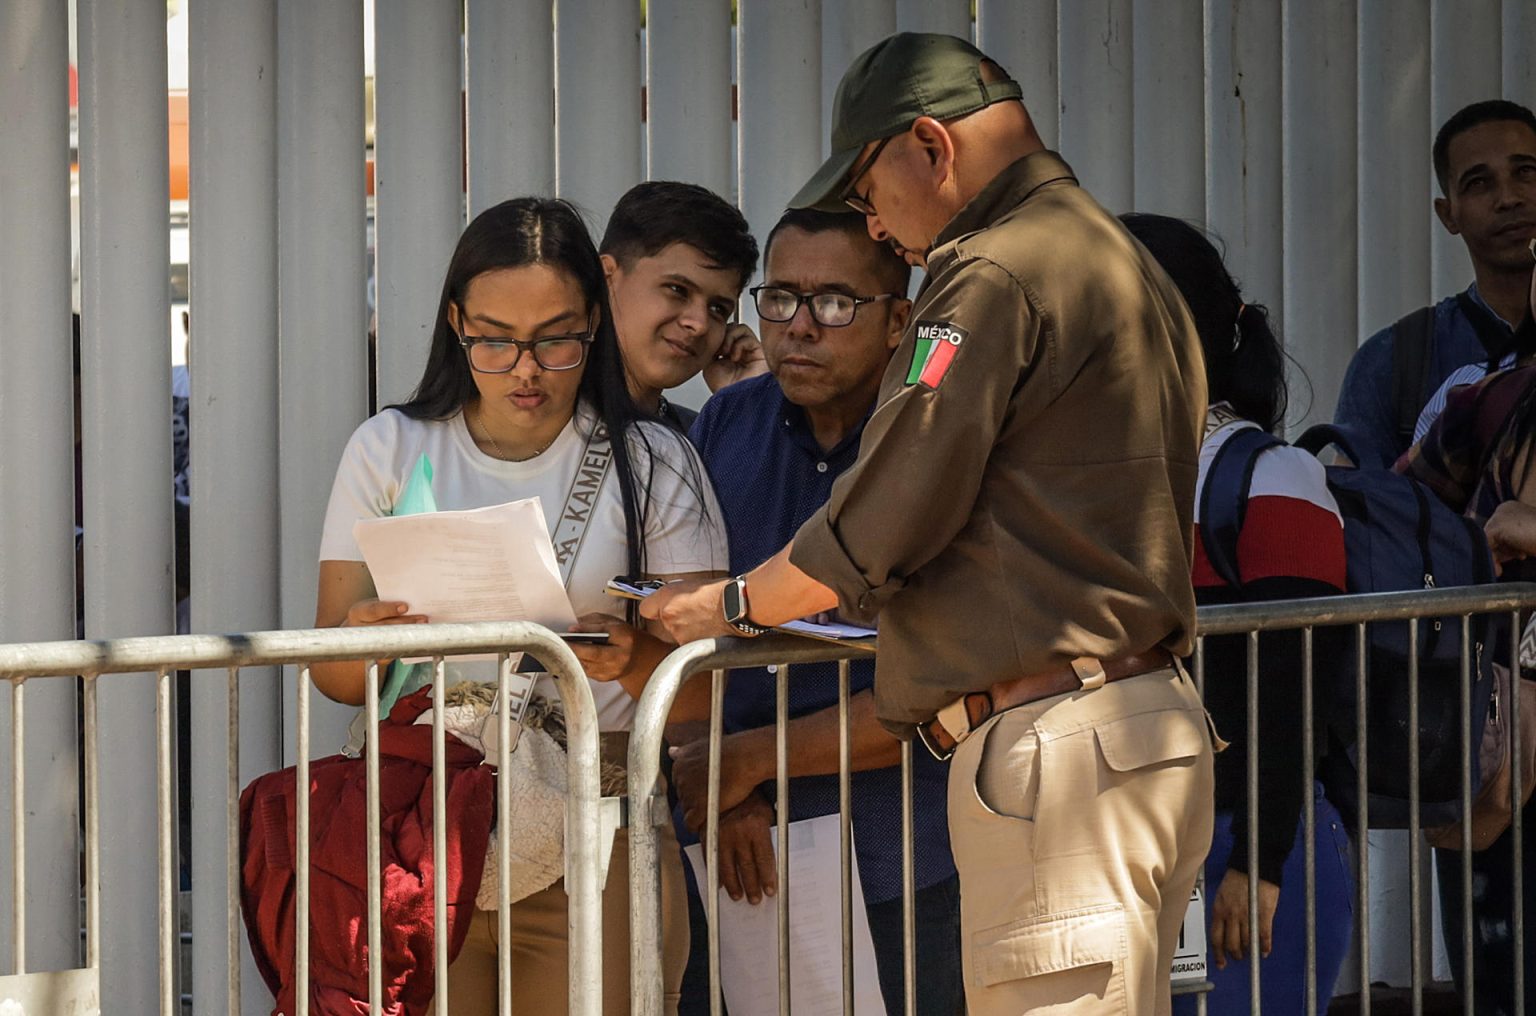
(1292,528)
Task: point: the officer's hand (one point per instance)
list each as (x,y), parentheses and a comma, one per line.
(690,609)
(690,778)
(746,852)
(1229,917)
(740,357)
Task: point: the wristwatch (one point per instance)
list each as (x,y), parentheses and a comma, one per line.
(734,601)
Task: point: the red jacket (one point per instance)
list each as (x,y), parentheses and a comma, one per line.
(338,887)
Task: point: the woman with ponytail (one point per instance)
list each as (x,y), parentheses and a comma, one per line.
(1291,545)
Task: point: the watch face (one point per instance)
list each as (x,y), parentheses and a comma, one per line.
(732,602)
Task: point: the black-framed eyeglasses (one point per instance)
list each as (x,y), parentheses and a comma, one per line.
(496,355)
(860,202)
(831,310)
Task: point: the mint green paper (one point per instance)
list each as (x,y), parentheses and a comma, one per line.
(415,499)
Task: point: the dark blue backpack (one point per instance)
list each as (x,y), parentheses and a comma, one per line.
(1397,536)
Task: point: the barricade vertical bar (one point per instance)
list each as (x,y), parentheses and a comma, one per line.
(712,836)
(1199,657)
(375,847)
(1253,818)
(18,829)
(232,955)
(165,814)
(92,830)
(439,838)
(1362,790)
(781,731)
(1309,815)
(1517,794)
(845,830)
(504,836)
(1415,848)
(1200,665)
(1469,975)
(908,886)
(301,850)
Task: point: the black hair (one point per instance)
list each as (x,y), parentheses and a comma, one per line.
(1244,364)
(1463,120)
(652,216)
(892,271)
(539,231)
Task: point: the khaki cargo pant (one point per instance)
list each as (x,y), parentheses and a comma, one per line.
(1078,825)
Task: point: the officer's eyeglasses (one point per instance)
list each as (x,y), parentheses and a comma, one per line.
(860,202)
(496,355)
(831,310)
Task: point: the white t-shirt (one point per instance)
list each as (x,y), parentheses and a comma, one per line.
(683,529)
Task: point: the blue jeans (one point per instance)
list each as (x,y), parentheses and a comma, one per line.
(1283,974)
(936,909)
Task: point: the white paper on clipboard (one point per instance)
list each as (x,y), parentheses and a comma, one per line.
(485,564)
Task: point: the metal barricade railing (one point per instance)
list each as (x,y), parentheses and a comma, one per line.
(164,655)
(648,810)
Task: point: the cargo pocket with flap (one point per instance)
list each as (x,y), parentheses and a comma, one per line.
(1074,956)
(1149,739)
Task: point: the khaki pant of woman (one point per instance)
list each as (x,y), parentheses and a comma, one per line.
(540,959)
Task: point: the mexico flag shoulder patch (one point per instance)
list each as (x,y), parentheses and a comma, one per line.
(937,344)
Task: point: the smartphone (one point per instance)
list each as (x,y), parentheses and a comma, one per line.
(591,638)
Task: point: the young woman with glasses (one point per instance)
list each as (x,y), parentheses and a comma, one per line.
(522,377)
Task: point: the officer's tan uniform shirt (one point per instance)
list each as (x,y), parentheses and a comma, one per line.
(1025,496)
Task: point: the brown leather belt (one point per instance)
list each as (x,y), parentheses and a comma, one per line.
(942,734)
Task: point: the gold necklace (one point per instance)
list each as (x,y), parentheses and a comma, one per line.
(503,456)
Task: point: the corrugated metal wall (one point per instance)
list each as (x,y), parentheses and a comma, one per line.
(1297,130)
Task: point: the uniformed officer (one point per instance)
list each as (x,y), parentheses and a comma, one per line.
(1020,517)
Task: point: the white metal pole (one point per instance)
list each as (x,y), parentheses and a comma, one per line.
(848,28)
(322,327)
(126,435)
(1021,36)
(597,105)
(510,67)
(948,17)
(778,75)
(1465,67)
(1243,160)
(37,598)
(1168,129)
(233,461)
(688,93)
(1321,289)
(1395,139)
(418,177)
(1094,44)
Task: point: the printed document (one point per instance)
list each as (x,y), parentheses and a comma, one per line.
(749,935)
(486,564)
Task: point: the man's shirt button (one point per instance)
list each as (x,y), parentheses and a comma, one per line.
(821,467)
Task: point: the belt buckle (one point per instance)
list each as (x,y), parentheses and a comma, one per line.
(955,718)
(938,753)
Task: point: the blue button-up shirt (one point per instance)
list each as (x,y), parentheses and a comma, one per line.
(771,475)
(1367,400)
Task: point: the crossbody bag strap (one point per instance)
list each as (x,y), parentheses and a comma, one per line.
(581,500)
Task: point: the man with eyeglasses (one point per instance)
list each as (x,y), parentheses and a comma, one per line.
(1020,518)
(832,308)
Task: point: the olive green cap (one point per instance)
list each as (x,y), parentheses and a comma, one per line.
(887,87)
